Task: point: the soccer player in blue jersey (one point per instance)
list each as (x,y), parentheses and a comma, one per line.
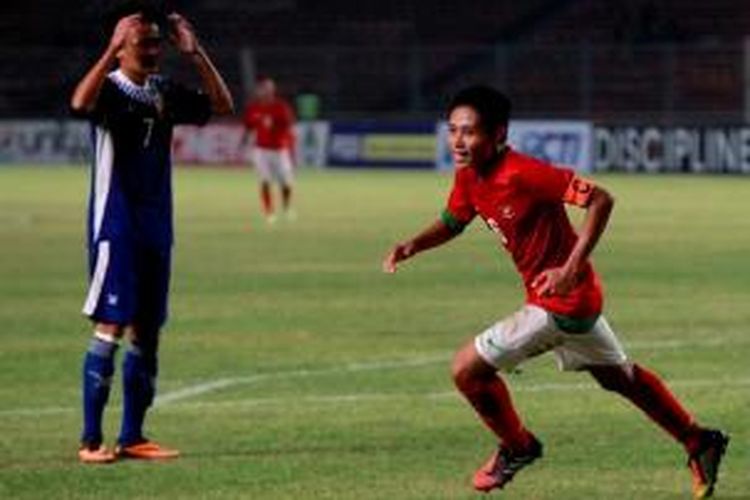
(132,110)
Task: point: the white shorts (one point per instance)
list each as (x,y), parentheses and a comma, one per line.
(533,331)
(274,164)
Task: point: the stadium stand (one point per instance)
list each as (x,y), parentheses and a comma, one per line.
(672,59)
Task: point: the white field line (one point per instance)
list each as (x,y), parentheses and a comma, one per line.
(725,383)
(214,385)
(732,383)
(202,388)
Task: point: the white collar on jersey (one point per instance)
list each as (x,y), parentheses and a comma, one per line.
(147,93)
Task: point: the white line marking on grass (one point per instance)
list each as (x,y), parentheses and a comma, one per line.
(438,395)
(210,386)
(728,383)
(214,385)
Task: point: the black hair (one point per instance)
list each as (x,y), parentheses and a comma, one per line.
(492,106)
(152,11)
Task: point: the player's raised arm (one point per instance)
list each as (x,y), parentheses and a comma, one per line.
(184,38)
(434,235)
(87,91)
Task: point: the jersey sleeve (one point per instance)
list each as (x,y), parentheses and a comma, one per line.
(459,210)
(556,184)
(106,108)
(186,106)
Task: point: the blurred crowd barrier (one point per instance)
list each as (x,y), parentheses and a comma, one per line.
(583,145)
(665,84)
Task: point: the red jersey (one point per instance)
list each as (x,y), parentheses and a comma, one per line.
(521,200)
(272,122)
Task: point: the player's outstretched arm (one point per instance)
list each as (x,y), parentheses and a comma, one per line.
(184,38)
(87,91)
(435,235)
(559,281)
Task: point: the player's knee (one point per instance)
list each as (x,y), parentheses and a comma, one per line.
(145,340)
(466,371)
(616,378)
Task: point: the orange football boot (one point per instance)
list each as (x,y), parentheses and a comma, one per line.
(146,450)
(95,455)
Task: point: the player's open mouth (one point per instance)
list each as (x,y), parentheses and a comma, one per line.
(461,156)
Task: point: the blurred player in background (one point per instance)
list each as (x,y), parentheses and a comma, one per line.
(271,119)
(521,200)
(132,111)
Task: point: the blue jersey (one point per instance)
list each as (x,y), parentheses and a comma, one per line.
(130,207)
(131,188)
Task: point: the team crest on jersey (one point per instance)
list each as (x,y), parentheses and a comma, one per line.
(507,212)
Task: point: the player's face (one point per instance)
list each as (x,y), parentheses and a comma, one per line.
(265,90)
(469,143)
(142,51)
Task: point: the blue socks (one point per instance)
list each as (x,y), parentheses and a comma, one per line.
(98,368)
(139,370)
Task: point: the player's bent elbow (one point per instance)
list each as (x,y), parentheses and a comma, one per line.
(78,107)
(603,199)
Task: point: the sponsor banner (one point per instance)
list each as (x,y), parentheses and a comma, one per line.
(672,149)
(44,141)
(69,141)
(213,144)
(228,144)
(560,142)
(378,144)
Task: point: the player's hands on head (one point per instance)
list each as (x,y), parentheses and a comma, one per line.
(182,34)
(122,30)
(401,251)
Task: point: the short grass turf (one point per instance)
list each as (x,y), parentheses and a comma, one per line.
(292,367)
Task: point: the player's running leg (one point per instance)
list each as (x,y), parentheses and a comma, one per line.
(263,166)
(286,177)
(488,394)
(266,201)
(286,198)
(98,368)
(647,391)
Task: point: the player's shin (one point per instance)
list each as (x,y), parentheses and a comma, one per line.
(491,400)
(98,368)
(140,368)
(265,199)
(649,393)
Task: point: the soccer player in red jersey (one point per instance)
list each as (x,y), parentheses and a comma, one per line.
(271,118)
(521,200)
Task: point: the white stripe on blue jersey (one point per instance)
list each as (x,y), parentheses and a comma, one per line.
(97,281)
(103,163)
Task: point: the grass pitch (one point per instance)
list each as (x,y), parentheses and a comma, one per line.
(293,368)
